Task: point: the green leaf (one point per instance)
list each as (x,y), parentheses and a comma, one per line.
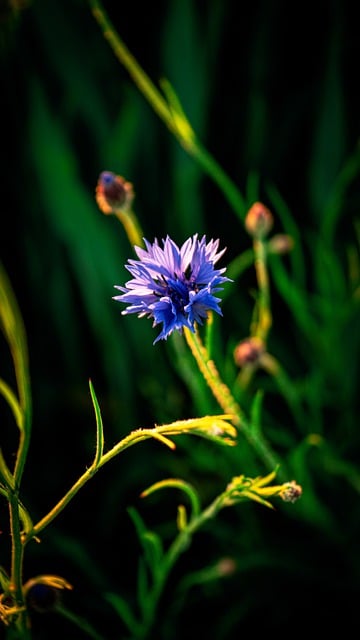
(150,542)
(26,521)
(255,411)
(124,611)
(4,579)
(330,133)
(13,403)
(12,326)
(6,475)
(177,484)
(99,428)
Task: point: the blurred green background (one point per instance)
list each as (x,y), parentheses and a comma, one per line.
(272,92)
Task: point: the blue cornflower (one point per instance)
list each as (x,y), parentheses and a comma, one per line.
(174,286)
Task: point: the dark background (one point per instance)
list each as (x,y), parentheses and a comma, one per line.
(272,92)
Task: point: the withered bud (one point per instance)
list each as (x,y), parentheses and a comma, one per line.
(113,193)
(249,351)
(280,244)
(259,220)
(42,598)
(43,593)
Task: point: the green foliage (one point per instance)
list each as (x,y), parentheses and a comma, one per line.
(254,111)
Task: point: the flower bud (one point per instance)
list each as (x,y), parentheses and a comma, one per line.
(249,351)
(259,220)
(113,193)
(291,491)
(226,566)
(280,244)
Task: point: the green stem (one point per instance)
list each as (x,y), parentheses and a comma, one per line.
(226,400)
(286,387)
(17,549)
(124,56)
(159,433)
(218,175)
(79,622)
(20,627)
(264,311)
(170,113)
(179,546)
(89,473)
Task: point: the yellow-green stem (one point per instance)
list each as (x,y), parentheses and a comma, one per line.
(124,56)
(226,400)
(131,226)
(211,375)
(159,433)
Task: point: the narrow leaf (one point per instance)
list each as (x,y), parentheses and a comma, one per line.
(12,326)
(5,474)
(13,403)
(99,428)
(124,611)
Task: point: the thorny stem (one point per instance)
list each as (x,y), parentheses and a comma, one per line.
(226,400)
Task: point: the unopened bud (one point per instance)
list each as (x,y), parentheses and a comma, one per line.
(249,351)
(226,566)
(291,491)
(113,193)
(259,220)
(280,243)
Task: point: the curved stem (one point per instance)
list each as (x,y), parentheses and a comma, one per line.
(160,433)
(135,436)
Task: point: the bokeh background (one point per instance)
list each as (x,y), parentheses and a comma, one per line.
(272,92)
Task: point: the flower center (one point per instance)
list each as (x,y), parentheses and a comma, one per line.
(178,288)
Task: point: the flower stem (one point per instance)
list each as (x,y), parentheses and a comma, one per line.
(170,112)
(124,56)
(131,226)
(159,433)
(226,400)
(264,311)
(226,185)
(179,545)
(20,626)
(83,479)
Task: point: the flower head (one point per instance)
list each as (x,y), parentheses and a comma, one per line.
(174,286)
